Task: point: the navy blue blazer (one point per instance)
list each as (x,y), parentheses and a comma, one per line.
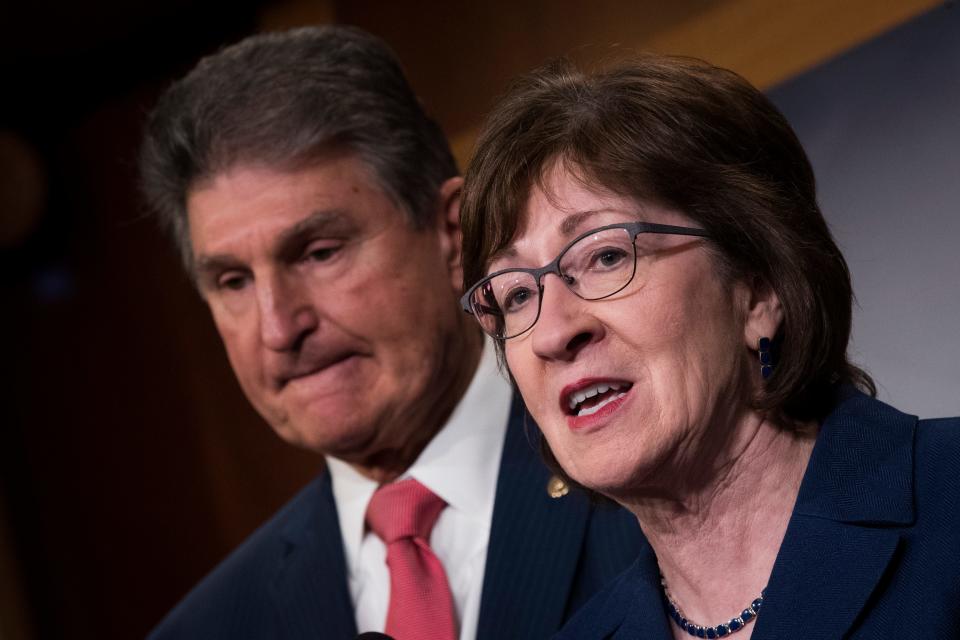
(872,549)
(546,557)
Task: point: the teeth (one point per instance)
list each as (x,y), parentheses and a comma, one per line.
(602,404)
(578,397)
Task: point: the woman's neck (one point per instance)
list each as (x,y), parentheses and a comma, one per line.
(717,538)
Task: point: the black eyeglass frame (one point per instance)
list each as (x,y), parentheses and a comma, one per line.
(633,228)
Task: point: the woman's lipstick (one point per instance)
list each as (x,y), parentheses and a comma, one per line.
(590,401)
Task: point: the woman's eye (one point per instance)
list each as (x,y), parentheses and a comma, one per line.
(516,298)
(608,258)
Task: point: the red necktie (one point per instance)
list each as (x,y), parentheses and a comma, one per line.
(402,514)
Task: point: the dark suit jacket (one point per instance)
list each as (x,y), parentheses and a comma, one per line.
(872,549)
(546,557)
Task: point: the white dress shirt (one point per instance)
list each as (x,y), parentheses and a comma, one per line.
(460,465)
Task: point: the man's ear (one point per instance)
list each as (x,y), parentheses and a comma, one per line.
(448,228)
(764,314)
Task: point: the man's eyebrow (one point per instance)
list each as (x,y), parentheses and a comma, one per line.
(333,221)
(206,265)
(288,241)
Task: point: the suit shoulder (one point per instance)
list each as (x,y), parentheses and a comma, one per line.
(940,431)
(233,599)
(937,461)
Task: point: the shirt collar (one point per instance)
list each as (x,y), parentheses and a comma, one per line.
(460,464)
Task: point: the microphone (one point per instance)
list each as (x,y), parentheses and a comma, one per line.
(373,635)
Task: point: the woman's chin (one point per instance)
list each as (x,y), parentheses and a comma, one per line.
(621,481)
(607,481)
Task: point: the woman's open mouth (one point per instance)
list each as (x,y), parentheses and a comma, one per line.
(587,399)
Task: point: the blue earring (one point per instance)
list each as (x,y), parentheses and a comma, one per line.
(766,357)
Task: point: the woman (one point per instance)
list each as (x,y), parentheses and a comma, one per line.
(646,248)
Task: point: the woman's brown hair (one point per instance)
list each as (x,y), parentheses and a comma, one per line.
(686,135)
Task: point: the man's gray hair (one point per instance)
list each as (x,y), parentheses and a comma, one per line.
(282,100)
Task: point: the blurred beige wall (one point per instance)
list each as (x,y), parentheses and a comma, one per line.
(460,55)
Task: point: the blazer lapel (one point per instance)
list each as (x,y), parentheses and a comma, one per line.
(857,491)
(645,596)
(310,586)
(824,575)
(535,543)
(627,608)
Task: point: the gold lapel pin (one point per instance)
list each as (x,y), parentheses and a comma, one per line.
(557,488)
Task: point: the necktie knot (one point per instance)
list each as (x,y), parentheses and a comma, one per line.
(404,509)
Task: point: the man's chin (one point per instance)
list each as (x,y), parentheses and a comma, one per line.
(347,442)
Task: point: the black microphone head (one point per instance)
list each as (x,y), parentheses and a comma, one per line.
(373,635)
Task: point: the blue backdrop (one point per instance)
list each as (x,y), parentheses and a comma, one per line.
(881,124)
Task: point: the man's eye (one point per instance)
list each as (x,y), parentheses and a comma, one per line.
(232,282)
(321,253)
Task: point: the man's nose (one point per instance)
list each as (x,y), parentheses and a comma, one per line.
(286,310)
(565,325)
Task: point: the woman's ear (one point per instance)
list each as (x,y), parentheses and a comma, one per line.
(448,228)
(764,314)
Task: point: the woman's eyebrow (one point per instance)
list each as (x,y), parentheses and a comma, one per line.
(572,223)
(569,227)
(504,253)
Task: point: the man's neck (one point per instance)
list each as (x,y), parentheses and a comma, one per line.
(461,359)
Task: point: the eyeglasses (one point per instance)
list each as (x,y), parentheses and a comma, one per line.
(596,265)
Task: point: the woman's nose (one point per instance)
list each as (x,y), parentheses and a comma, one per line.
(565,325)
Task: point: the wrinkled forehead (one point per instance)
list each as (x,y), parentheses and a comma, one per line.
(292,161)
(573,198)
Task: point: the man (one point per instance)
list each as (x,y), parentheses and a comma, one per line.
(316,206)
